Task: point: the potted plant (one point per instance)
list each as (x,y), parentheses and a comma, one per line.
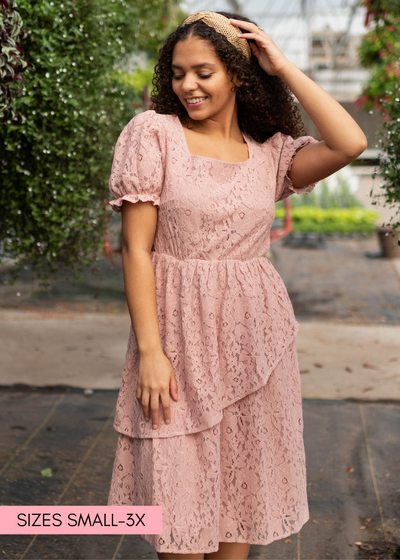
(379,50)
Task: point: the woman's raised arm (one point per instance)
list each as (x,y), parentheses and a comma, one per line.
(343,140)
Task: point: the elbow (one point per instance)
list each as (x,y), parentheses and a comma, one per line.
(358,149)
(134,250)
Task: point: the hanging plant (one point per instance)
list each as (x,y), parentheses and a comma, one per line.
(380,52)
(12,65)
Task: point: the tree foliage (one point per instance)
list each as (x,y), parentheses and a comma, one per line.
(380,52)
(56,163)
(12,64)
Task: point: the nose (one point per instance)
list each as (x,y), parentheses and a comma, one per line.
(189,83)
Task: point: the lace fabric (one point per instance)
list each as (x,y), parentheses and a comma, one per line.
(288,149)
(242,480)
(224,313)
(231,466)
(224,325)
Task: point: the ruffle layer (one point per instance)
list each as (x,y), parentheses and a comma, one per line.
(117,203)
(284,182)
(224,325)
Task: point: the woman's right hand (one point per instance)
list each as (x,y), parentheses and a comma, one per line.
(156,378)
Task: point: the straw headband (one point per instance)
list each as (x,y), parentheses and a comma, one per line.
(222,24)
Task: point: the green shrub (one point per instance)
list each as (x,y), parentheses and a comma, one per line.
(389,157)
(138,80)
(379,51)
(12,64)
(56,164)
(333,220)
(323,197)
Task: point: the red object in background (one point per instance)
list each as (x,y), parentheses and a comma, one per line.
(282,232)
(109,253)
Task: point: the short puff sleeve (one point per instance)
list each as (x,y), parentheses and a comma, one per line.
(285,148)
(137,171)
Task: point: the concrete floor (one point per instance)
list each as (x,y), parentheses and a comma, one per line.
(87,350)
(353,473)
(56,342)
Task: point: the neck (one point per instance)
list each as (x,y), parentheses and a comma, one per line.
(224,125)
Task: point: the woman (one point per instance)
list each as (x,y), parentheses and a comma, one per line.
(212,323)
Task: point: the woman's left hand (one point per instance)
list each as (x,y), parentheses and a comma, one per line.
(270,58)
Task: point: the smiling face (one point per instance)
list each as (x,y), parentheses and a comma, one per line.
(199,73)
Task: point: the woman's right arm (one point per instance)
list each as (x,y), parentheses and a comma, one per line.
(156,374)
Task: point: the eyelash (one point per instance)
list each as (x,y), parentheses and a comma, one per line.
(202,76)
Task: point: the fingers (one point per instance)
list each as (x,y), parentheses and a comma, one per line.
(155,406)
(166,403)
(245,25)
(174,387)
(254,36)
(149,395)
(151,406)
(144,399)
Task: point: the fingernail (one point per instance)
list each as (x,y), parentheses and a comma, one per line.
(154,426)
(147,418)
(167,421)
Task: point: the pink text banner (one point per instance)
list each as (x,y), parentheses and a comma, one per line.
(80,520)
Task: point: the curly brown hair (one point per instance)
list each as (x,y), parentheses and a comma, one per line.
(265,103)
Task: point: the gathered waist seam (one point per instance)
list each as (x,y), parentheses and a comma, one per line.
(210,260)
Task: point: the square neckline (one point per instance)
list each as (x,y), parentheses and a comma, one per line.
(185,144)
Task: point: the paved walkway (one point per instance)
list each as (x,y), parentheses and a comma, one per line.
(87,350)
(348,307)
(337,282)
(75,334)
(353,473)
(340,282)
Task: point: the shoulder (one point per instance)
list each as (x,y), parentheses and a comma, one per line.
(273,146)
(281,143)
(276,141)
(151,121)
(146,131)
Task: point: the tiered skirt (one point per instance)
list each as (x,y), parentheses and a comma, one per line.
(242,480)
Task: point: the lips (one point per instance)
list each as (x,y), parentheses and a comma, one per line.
(195,104)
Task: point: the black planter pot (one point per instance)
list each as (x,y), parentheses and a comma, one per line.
(389,241)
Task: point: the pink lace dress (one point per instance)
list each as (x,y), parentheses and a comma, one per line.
(231,465)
